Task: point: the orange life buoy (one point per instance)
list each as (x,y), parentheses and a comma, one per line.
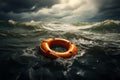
(45,48)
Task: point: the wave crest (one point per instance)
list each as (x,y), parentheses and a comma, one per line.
(107,26)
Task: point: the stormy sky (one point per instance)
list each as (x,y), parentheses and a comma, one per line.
(59,10)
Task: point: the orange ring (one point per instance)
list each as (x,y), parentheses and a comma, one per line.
(48,52)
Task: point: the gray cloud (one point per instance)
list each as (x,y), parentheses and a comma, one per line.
(62,10)
(108,9)
(65,11)
(18,6)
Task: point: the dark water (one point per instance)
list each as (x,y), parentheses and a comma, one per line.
(98,57)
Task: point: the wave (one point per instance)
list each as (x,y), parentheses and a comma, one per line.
(106,26)
(20,56)
(52,26)
(26,25)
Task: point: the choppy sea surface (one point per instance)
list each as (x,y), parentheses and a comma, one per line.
(98,56)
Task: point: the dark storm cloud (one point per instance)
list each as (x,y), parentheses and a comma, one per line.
(19,6)
(108,9)
(66,10)
(24,5)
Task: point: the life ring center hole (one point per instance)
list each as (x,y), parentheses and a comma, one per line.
(59,48)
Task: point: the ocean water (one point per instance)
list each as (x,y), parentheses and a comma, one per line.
(98,56)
